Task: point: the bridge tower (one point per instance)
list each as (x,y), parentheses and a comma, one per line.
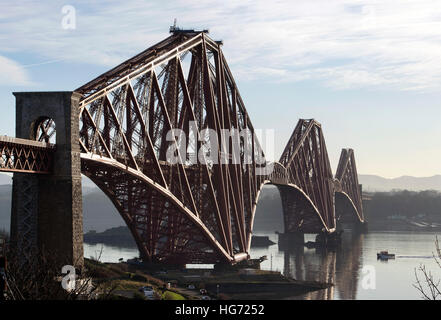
(47,208)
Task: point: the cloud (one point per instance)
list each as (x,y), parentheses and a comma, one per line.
(343,44)
(12,73)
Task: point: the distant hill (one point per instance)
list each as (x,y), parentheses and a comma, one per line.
(369,182)
(377,183)
(119,236)
(6,178)
(100,214)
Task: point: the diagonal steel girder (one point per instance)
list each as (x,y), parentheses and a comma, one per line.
(347,181)
(308,170)
(306,184)
(125,119)
(197,211)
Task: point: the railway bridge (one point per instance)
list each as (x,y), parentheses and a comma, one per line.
(118,130)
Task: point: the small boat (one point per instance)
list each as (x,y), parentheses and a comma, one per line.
(384,255)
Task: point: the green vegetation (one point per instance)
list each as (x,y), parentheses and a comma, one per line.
(170,295)
(406,204)
(394,206)
(119,236)
(123,281)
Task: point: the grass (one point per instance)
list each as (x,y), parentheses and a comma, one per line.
(128,285)
(170,295)
(122,277)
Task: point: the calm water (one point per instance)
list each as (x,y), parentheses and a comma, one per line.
(347,267)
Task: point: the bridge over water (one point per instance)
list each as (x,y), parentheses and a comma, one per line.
(114,130)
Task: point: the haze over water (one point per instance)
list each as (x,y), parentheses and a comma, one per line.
(394,279)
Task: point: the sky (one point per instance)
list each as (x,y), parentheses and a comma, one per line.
(368,71)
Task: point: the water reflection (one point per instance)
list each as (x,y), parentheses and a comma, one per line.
(394,278)
(339,266)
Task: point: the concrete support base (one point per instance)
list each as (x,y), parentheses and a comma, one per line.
(328,240)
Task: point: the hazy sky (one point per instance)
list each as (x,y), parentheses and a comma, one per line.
(369,71)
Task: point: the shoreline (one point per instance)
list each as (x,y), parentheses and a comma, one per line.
(230,285)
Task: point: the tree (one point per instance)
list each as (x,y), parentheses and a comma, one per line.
(38,276)
(428,286)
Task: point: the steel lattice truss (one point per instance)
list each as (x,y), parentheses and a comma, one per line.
(21,155)
(308,170)
(187,212)
(178,212)
(308,189)
(347,181)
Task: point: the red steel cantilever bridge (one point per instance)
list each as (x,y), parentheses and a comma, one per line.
(181,213)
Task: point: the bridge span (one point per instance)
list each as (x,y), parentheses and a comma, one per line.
(115,130)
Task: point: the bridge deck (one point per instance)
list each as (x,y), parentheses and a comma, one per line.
(27,156)
(25,142)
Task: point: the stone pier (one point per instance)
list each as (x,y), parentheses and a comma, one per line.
(47,209)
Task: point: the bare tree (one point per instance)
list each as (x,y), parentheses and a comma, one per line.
(428,286)
(37,276)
